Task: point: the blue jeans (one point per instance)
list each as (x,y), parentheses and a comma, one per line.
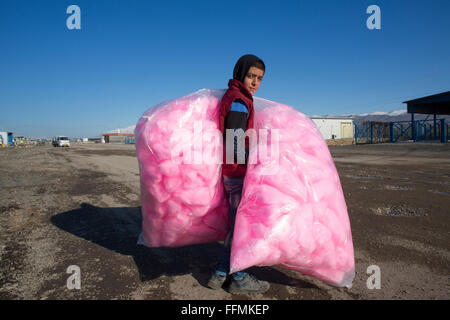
(233,189)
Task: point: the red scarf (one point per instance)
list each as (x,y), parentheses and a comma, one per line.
(236,90)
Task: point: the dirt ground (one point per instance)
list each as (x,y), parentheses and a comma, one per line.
(81,206)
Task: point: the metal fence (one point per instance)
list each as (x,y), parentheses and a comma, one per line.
(372,132)
(419,130)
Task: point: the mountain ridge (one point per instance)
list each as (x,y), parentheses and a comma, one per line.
(382,116)
(379,116)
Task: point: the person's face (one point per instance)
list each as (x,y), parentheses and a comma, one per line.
(253,79)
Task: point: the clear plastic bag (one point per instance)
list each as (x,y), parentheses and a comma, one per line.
(183,200)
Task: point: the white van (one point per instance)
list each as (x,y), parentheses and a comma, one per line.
(61,141)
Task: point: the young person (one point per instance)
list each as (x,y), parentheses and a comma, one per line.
(236,112)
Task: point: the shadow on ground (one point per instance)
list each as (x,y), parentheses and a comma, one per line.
(118,229)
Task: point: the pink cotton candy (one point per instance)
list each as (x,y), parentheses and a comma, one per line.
(183,201)
(301,204)
(292,212)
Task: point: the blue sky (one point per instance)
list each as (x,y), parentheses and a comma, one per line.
(129,55)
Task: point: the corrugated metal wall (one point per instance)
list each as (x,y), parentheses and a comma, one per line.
(117,139)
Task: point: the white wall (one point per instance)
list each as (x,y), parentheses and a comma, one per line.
(329,127)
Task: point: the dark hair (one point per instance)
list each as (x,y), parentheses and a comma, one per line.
(244,64)
(259,64)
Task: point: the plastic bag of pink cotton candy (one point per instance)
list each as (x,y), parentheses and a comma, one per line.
(182,194)
(292,211)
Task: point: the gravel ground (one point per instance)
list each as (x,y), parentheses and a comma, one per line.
(81,206)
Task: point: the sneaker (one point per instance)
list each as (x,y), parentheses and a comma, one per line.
(217,280)
(248,284)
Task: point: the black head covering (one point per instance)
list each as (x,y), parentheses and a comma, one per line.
(244,64)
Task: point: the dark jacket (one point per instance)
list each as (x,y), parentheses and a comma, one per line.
(236,91)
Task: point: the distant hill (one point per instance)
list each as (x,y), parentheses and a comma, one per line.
(397,115)
(381,116)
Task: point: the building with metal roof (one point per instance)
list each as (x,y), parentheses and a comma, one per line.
(436,104)
(118,137)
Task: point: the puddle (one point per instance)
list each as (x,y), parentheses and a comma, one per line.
(362,177)
(387,187)
(399,211)
(397,188)
(439,192)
